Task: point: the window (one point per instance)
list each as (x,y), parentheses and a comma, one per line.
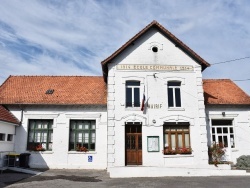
(2,137)
(177,138)
(174,94)
(132,94)
(223,132)
(82,134)
(10,137)
(40,135)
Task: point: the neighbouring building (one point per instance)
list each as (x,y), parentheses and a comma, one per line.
(151,114)
(8,124)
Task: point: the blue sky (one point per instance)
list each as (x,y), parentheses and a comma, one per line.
(72,37)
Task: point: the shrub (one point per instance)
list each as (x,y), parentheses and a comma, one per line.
(243,162)
(216,151)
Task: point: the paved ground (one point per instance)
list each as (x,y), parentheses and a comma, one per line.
(97,178)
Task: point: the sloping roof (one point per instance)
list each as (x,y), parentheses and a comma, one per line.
(166,33)
(224,91)
(62,90)
(91,90)
(7,116)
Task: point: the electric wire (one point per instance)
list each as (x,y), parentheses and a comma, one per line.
(231,60)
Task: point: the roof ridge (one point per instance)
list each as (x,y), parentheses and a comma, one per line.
(241,89)
(5,81)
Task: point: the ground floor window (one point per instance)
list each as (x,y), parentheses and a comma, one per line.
(177,138)
(10,137)
(40,135)
(82,135)
(223,132)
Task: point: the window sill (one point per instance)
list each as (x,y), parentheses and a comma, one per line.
(132,108)
(178,156)
(80,152)
(43,152)
(176,109)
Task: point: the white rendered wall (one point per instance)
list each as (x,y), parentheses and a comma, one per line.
(192,111)
(241,119)
(6,146)
(60,156)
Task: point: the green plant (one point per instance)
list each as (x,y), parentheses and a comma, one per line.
(216,151)
(243,162)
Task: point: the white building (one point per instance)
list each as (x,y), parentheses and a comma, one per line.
(170,136)
(8,124)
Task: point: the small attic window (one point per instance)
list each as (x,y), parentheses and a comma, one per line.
(49,91)
(155,49)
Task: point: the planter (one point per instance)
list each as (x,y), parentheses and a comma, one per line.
(183,151)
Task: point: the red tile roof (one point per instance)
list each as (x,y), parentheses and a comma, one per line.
(7,116)
(70,90)
(91,90)
(165,32)
(224,91)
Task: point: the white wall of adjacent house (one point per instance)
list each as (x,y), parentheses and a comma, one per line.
(59,154)
(237,134)
(139,63)
(6,142)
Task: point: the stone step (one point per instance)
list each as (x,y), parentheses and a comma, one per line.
(126,172)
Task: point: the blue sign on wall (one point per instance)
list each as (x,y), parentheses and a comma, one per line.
(90,158)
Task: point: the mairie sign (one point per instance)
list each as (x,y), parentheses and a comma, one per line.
(150,67)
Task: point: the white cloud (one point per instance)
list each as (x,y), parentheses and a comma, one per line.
(73,37)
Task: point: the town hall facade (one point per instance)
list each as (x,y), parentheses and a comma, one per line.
(150,114)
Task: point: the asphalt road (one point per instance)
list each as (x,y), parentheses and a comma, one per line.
(100,178)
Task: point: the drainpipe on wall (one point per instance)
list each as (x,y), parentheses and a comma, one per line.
(21,119)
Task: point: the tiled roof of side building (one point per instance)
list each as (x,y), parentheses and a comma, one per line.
(61,90)
(164,31)
(224,91)
(7,116)
(91,90)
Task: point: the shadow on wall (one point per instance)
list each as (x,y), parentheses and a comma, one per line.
(37,160)
(29,157)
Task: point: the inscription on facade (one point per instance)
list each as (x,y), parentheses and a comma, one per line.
(149,67)
(154,106)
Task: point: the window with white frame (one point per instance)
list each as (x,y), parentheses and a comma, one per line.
(223,132)
(132,93)
(40,135)
(174,94)
(82,135)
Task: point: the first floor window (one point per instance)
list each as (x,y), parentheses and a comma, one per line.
(223,132)
(174,94)
(82,135)
(177,138)
(132,94)
(40,135)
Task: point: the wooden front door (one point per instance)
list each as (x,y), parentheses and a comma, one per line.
(133,144)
